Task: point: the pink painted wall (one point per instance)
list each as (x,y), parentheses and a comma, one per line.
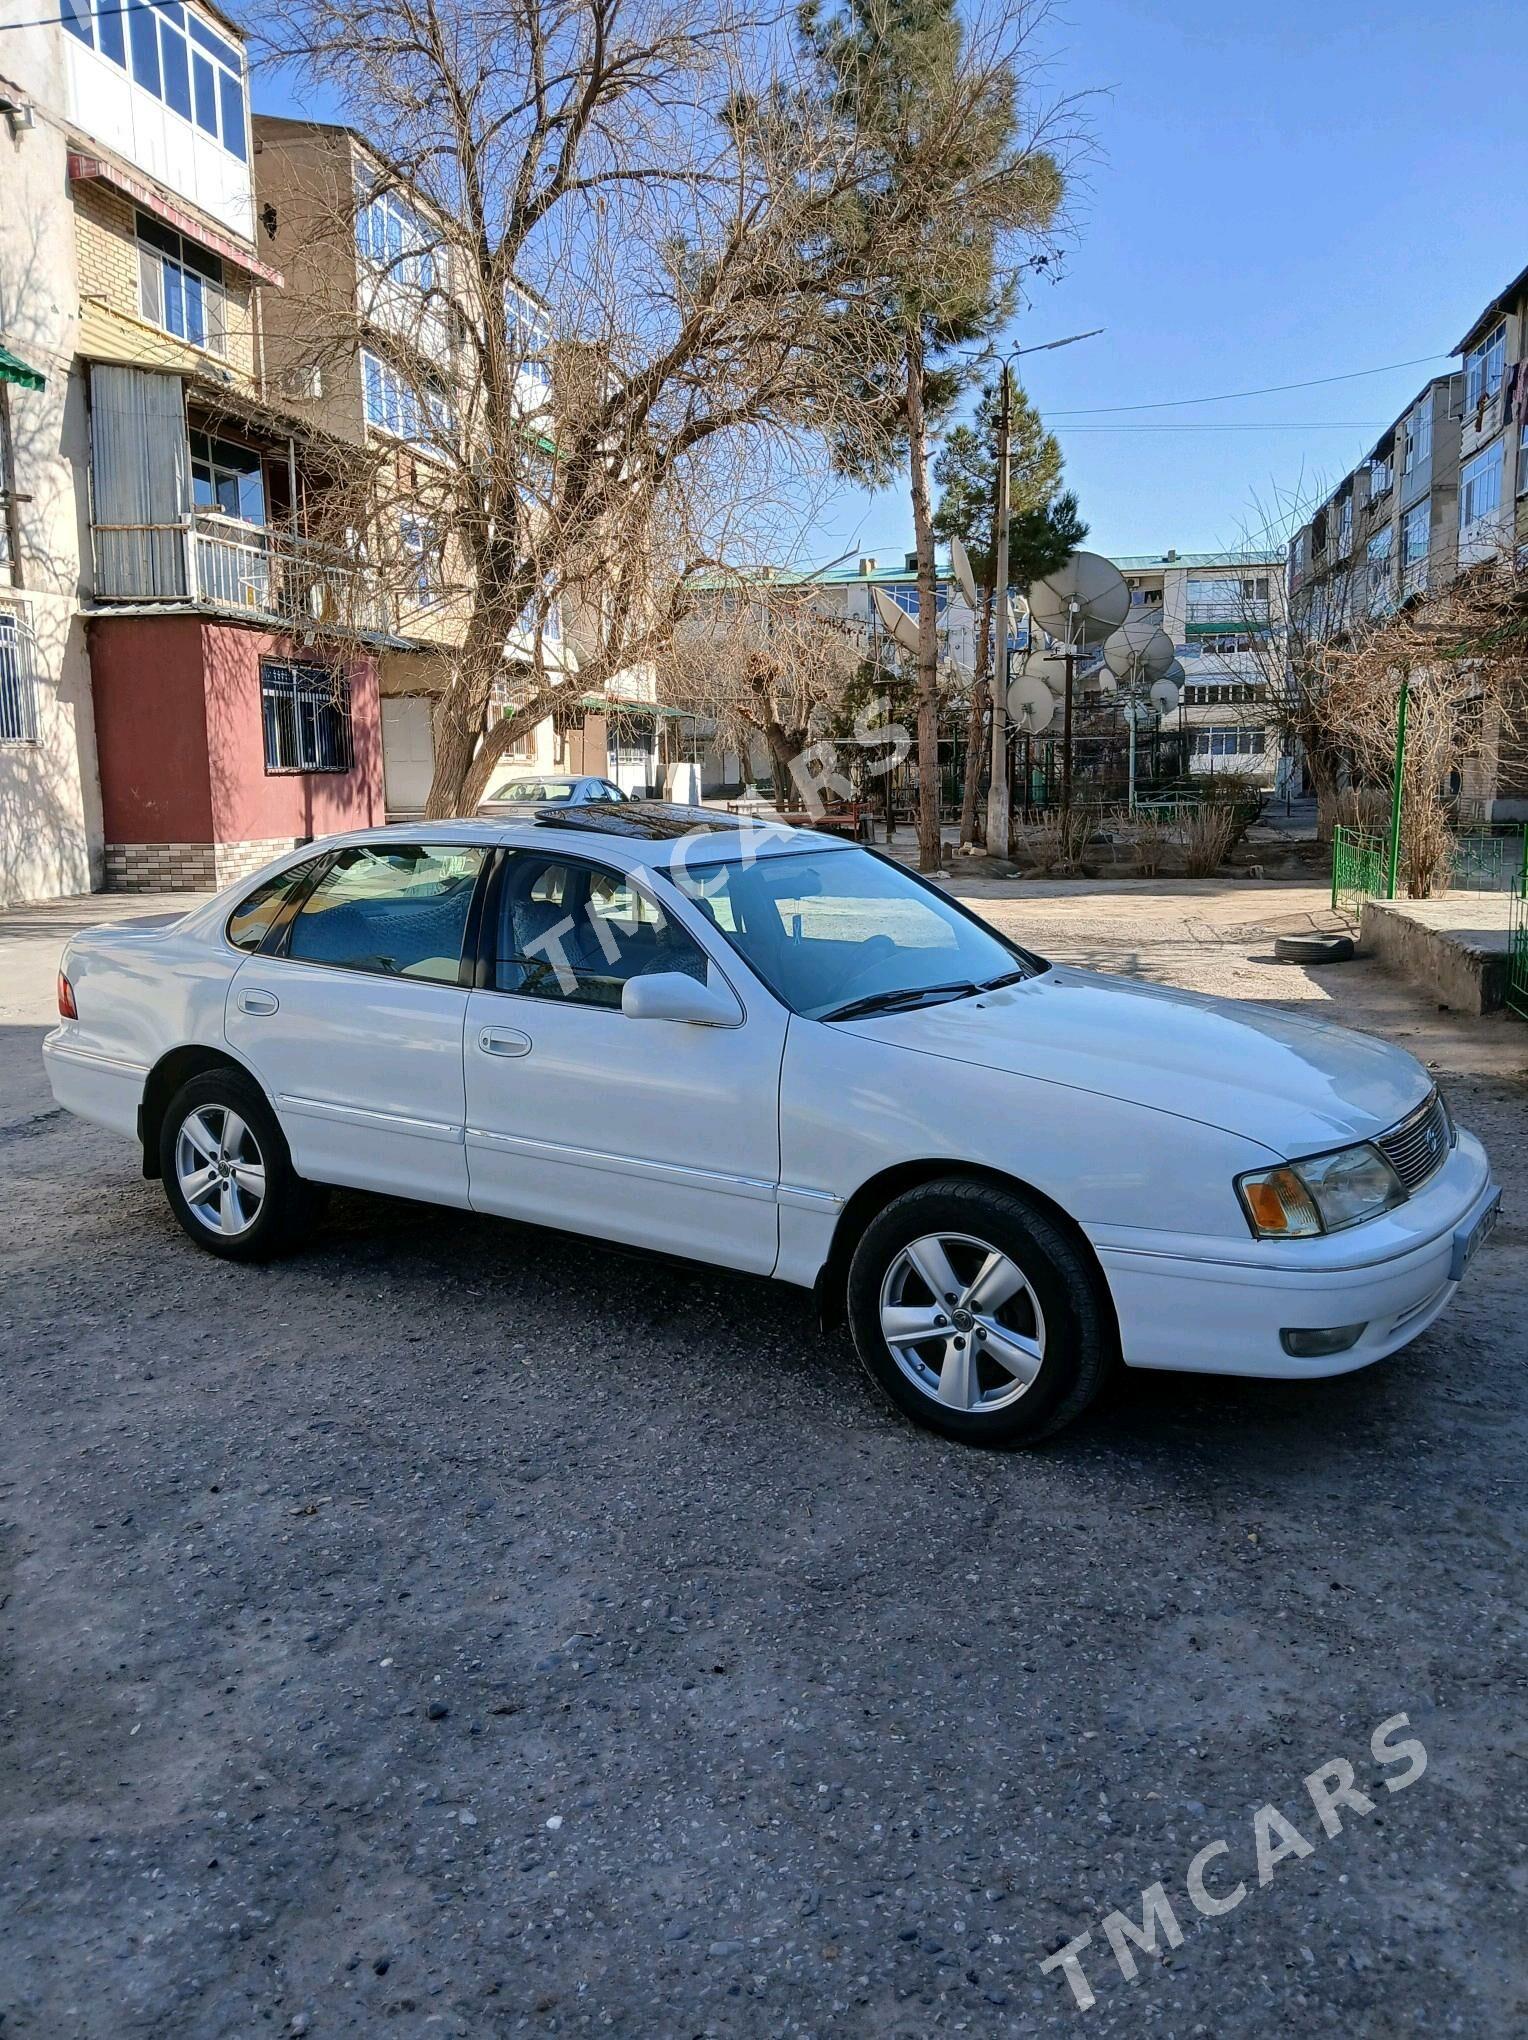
(249,803)
(181,743)
(151,729)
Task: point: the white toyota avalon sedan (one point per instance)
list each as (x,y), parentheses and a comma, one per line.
(778,1052)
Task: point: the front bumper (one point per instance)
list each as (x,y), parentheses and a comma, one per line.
(1218,1306)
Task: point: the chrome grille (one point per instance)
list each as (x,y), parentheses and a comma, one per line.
(1418,1147)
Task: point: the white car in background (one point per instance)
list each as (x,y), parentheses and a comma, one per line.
(520,792)
(780,1053)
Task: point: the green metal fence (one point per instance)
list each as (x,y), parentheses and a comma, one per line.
(1482,862)
(1359,868)
(1517,948)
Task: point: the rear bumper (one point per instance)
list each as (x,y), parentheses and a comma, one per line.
(1210,1313)
(103,1088)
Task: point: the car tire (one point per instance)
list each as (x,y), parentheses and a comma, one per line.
(1314,949)
(1026,1345)
(220,1136)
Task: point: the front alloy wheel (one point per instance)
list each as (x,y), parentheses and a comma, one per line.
(962,1321)
(979,1312)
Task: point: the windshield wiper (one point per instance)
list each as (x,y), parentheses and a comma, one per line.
(909,995)
(1009,977)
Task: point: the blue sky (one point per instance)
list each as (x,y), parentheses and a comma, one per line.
(1278,194)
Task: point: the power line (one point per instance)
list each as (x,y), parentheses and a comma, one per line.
(1270,390)
(1245,425)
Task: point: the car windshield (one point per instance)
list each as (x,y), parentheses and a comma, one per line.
(539,792)
(835,933)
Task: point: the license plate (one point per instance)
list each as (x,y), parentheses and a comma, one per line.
(1468,1244)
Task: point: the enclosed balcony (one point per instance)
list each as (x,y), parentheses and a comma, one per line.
(198,508)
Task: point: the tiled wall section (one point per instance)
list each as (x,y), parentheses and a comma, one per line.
(187,867)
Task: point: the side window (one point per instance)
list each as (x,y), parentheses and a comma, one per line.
(578,931)
(253,918)
(396,909)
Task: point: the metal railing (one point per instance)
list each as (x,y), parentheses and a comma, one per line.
(1232,610)
(222,563)
(18,685)
(1486,863)
(1517,948)
(1360,868)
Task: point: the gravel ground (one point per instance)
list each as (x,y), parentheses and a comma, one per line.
(461,1631)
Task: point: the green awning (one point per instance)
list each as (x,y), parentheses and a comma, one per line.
(607,704)
(12,369)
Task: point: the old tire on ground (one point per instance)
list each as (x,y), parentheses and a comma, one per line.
(1314,948)
(227,1170)
(978,1314)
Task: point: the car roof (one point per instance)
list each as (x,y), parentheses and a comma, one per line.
(635,831)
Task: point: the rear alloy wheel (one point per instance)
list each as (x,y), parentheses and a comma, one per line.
(978,1314)
(226,1169)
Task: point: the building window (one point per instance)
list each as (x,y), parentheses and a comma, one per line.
(18,697)
(1484,367)
(1414,527)
(391,236)
(397,408)
(1480,486)
(1229,741)
(421,551)
(306,716)
(1381,477)
(1419,428)
(172,53)
(180,287)
(1345,524)
(1228,644)
(226,477)
(1522,459)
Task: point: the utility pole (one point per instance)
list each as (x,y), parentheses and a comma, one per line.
(997,792)
(1066,722)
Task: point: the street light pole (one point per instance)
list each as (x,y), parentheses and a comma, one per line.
(997,792)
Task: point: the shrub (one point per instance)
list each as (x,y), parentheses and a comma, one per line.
(1207,834)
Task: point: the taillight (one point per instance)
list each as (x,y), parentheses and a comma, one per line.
(66,1009)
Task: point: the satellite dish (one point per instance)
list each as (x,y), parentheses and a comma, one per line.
(1175,673)
(1120,655)
(1030,704)
(1164,697)
(961,563)
(1083,601)
(1159,654)
(895,621)
(1141,625)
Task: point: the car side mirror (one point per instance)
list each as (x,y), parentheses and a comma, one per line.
(671,995)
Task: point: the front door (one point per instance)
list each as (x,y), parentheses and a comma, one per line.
(408,752)
(650,1132)
(353,1019)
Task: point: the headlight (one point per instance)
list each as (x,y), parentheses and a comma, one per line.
(1321,1194)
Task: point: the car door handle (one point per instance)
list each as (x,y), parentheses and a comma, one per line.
(258,1002)
(503,1041)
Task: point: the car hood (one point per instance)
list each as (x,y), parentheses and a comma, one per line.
(1296,1086)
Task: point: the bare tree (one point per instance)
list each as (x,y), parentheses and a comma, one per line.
(767,663)
(622,262)
(1463,654)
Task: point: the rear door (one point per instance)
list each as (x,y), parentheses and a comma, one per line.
(352,1016)
(650,1132)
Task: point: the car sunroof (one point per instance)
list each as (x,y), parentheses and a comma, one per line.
(651,821)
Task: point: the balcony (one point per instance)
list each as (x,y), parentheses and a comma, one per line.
(220,563)
(1229,612)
